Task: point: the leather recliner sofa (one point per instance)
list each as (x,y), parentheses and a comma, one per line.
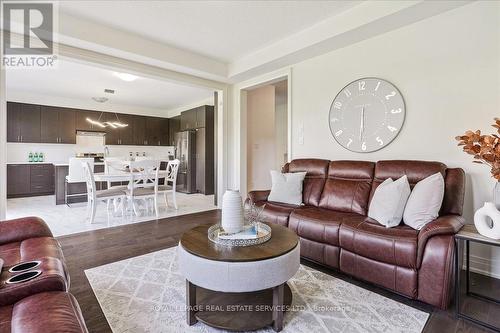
(335,231)
(41,304)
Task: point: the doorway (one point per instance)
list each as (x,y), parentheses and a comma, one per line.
(267,132)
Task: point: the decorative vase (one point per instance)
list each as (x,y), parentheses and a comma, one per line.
(232,212)
(487,220)
(496,195)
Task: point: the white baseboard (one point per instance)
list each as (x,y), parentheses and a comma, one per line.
(484,266)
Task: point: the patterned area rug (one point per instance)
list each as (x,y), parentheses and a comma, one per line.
(147,294)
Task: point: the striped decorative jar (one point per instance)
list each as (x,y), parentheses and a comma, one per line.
(232,212)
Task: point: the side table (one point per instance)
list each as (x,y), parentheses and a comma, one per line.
(469,234)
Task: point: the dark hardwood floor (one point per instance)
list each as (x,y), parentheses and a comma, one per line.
(99,247)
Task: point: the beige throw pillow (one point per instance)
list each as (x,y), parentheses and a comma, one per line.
(424,202)
(388,202)
(287,187)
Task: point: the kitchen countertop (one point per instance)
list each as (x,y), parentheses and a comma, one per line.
(49,162)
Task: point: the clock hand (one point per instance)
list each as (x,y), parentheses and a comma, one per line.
(362,126)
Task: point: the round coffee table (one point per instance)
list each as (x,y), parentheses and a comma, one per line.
(238,288)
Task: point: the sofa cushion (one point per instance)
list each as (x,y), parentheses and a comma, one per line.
(44,312)
(315,178)
(30,249)
(396,246)
(320,225)
(348,186)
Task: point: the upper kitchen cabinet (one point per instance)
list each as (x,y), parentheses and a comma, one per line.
(127,136)
(195,118)
(139,126)
(174,126)
(58,125)
(188,120)
(23,122)
(157,131)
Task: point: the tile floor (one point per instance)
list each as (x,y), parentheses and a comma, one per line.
(64,220)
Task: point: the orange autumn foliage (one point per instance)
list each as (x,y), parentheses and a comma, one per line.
(484,148)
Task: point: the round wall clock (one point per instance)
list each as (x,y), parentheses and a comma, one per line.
(366,115)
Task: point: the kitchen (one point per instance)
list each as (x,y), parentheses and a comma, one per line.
(129,120)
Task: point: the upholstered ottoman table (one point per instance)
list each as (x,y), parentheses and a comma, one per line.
(238,288)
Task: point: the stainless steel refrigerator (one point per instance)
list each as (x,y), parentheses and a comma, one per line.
(185,145)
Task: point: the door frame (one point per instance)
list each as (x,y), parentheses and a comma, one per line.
(240,108)
(75,54)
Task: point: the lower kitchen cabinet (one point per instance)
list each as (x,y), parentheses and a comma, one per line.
(27,180)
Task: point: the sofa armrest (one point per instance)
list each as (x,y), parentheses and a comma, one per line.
(443,225)
(20,229)
(256,196)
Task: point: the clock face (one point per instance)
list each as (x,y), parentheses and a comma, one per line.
(366,115)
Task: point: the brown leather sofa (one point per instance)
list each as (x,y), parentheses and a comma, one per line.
(335,231)
(43,303)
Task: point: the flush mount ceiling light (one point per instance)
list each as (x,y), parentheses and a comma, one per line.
(103,124)
(100,99)
(126,76)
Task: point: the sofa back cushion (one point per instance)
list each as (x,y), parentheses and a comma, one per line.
(316,173)
(348,186)
(414,170)
(454,192)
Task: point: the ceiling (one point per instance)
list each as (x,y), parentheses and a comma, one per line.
(78,81)
(231,41)
(222,30)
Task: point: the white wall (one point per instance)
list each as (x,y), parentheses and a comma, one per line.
(448,70)
(261,136)
(281,123)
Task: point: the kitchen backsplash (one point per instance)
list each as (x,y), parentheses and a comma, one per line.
(18,152)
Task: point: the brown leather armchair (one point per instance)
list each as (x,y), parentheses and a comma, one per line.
(335,231)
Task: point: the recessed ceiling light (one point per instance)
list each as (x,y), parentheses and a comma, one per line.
(126,76)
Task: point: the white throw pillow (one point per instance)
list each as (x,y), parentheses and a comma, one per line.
(287,187)
(388,202)
(425,201)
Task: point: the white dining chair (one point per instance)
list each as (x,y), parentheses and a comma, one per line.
(144,183)
(76,174)
(94,196)
(170,182)
(115,165)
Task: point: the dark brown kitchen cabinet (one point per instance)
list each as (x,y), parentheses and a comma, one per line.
(164,132)
(18,180)
(157,131)
(200,116)
(140,131)
(24,180)
(67,124)
(205,155)
(13,121)
(195,118)
(174,126)
(188,120)
(58,125)
(112,135)
(127,133)
(23,122)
